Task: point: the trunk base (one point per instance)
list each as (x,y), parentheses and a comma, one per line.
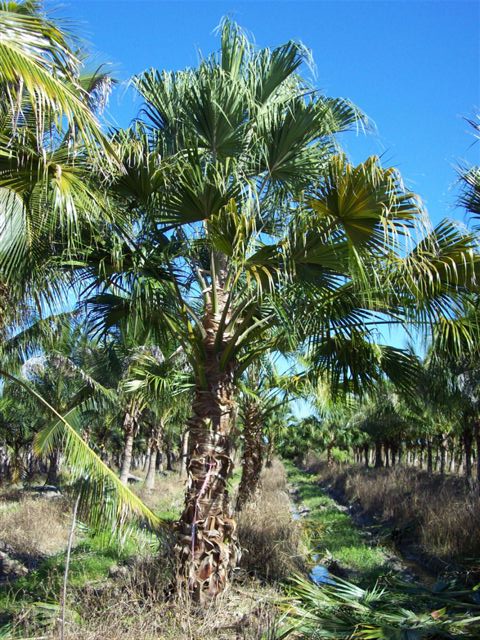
(207,548)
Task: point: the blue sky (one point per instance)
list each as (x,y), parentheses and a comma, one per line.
(413,67)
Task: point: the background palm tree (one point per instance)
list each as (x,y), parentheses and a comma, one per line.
(263,392)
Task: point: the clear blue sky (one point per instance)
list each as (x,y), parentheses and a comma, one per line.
(413,67)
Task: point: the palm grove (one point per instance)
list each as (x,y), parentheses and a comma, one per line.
(222,232)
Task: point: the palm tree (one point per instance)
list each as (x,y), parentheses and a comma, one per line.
(262,392)
(159,381)
(246,227)
(382,418)
(211,177)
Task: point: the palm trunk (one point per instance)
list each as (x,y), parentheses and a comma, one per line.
(169,457)
(476,434)
(129,427)
(422,451)
(378,455)
(146,462)
(467,441)
(443,454)
(365,455)
(155,446)
(150,477)
(329,454)
(206,548)
(393,453)
(184,459)
(270,451)
(451,464)
(52,475)
(400,453)
(252,454)
(429,456)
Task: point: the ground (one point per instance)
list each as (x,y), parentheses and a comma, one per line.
(122,590)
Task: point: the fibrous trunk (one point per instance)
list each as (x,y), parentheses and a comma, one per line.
(329,454)
(252,453)
(206,547)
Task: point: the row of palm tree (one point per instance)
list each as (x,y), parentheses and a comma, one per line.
(222,228)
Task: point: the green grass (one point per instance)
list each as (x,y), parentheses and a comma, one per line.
(90,563)
(385,606)
(168,514)
(333,534)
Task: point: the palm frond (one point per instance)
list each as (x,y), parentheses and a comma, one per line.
(105,500)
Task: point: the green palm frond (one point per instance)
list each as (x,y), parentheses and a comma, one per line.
(369,204)
(38,64)
(157,379)
(106,501)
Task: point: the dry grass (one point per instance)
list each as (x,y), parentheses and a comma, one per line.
(237,613)
(135,601)
(168,494)
(134,606)
(271,540)
(438,512)
(34,525)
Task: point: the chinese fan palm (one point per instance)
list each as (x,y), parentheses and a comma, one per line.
(252,231)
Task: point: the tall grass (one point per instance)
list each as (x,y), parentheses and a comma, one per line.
(271,540)
(438,512)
